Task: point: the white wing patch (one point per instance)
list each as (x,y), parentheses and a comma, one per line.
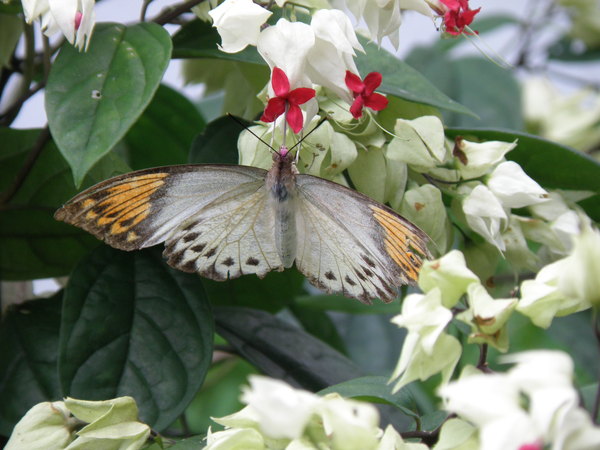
(227,238)
(345,246)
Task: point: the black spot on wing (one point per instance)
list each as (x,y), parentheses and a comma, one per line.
(350,281)
(210,253)
(229,262)
(252,261)
(198,248)
(189,266)
(368,260)
(190,237)
(330,276)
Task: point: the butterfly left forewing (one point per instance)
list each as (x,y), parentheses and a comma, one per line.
(143,208)
(350,244)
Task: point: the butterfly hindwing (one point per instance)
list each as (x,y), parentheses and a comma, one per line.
(229,237)
(350,244)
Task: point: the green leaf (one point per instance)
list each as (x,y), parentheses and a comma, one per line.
(553,165)
(191,443)
(198,39)
(11,28)
(163,134)
(342,304)
(569,50)
(320,325)
(33,244)
(378,390)
(401,80)
(133,326)
(218,143)
(281,350)
(28,358)
(93,97)
(272,293)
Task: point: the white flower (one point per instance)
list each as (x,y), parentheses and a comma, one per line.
(427,350)
(418,142)
(487,317)
(550,418)
(450,274)
(333,51)
(246,438)
(580,278)
(351,424)
(238,23)
(286,45)
(75,19)
(46,426)
(476,159)
(513,187)
(281,410)
(383,17)
(485,215)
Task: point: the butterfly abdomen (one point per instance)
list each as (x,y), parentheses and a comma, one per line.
(281,188)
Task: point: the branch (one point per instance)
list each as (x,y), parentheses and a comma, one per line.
(172,12)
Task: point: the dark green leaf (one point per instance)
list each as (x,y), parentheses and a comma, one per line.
(588,395)
(133,326)
(198,39)
(377,389)
(281,350)
(93,97)
(403,81)
(272,293)
(343,304)
(28,358)
(553,165)
(218,143)
(192,443)
(567,49)
(32,243)
(163,134)
(319,324)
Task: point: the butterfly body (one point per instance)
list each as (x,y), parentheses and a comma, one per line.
(225,221)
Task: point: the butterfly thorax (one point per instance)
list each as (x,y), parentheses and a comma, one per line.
(281,188)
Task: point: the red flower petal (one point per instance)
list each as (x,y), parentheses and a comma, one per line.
(376,101)
(294,118)
(357,106)
(280,82)
(372,82)
(274,109)
(354,82)
(300,96)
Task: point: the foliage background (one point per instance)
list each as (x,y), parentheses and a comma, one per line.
(161,351)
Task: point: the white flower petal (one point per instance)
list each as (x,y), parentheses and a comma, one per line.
(513,187)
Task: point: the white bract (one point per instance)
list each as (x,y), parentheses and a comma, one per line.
(75,19)
(427,350)
(513,187)
(281,410)
(550,416)
(450,274)
(485,215)
(476,159)
(238,23)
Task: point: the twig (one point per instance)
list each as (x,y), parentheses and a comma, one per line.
(34,154)
(168,14)
(12,112)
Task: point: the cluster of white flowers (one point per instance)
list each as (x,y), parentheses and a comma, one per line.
(531,406)
(75,19)
(278,416)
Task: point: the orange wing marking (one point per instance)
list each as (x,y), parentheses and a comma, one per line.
(127,204)
(398,238)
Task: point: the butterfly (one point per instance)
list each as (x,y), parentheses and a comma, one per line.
(224,221)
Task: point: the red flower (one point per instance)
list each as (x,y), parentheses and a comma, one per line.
(458,15)
(286,98)
(363,93)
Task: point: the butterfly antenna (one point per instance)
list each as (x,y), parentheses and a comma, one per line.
(323,119)
(243,125)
